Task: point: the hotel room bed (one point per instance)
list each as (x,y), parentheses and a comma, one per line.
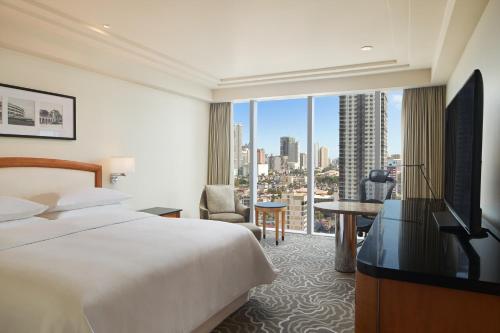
(123,271)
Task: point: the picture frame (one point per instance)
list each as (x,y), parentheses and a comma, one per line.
(31,113)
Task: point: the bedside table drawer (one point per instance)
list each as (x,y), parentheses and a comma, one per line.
(174,215)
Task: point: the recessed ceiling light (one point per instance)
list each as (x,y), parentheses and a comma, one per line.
(106,26)
(366,48)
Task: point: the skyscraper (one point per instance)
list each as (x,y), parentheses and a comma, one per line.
(362,138)
(261,156)
(245,161)
(323,157)
(275,163)
(293,152)
(238,142)
(303,161)
(285,142)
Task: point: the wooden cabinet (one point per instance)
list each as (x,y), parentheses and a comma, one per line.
(384,305)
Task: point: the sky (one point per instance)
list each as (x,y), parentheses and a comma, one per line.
(277,118)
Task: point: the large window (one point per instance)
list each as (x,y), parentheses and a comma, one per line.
(281,158)
(352,134)
(326,162)
(241,153)
(393,162)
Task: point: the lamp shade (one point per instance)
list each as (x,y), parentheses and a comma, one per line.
(123,165)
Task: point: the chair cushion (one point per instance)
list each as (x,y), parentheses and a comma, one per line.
(257,232)
(227,217)
(220,199)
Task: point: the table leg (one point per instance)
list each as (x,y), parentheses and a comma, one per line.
(345,243)
(283,218)
(277,225)
(264,225)
(256,217)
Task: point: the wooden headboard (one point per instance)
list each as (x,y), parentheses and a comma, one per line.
(48,163)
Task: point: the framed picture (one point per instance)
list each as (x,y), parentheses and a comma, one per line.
(33,113)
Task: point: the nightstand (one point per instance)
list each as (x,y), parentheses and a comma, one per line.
(163,212)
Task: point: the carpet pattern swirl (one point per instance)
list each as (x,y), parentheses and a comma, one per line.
(308,295)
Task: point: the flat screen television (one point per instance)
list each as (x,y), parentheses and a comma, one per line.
(463,148)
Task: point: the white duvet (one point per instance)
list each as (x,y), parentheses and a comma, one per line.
(123,272)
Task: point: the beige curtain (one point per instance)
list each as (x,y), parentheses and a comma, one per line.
(219,144)
(423,140)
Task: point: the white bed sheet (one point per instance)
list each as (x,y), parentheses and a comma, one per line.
(88,211)
(123,271)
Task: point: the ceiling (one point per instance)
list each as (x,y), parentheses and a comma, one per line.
(229,43)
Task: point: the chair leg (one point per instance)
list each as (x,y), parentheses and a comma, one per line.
(277,225)
(283,218)
(264,222)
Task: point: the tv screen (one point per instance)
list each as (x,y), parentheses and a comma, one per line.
(463,146)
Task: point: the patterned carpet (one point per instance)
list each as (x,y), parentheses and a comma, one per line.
(308,296)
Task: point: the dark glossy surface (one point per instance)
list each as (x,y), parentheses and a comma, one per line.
(270,205)
(160,210)
(405,243)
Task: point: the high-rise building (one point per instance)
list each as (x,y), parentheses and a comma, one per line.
(362,139)
(296,212)
(316,155)
(238,142)
(275,163)
(244,168)
(261,156)
(293,152)
(285,142)
(245,155)
(323,157)
(303,161)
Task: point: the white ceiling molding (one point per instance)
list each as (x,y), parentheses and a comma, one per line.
(458,24)
(319,76)
(318,73)
(396,79)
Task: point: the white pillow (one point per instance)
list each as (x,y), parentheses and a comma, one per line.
(15,208)
(80,198)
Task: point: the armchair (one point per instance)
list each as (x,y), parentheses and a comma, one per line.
(240,214)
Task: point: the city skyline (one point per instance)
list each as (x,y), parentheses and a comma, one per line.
(270,125)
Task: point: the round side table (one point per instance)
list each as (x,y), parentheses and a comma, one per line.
(271,208)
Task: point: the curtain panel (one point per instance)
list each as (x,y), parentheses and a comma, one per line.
(219,144)
(423,141)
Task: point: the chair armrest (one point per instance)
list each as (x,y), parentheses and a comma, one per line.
(242,210)
(204,213)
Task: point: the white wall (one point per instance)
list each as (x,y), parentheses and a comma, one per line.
(166,133)
(483,52)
